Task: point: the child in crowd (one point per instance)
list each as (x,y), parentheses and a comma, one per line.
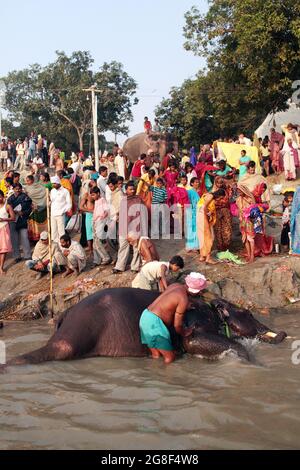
(286,221)
(159,213)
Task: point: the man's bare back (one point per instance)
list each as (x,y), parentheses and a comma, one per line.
(148,251)
(171,306)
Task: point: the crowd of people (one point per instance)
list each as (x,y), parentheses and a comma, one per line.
(73,214)
(195,194)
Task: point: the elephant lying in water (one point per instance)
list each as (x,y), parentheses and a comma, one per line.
(107,324)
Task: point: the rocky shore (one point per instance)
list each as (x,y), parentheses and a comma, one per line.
(272,282)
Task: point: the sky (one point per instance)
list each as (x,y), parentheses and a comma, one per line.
(145,36)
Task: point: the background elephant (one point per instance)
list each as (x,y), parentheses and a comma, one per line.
(141,143)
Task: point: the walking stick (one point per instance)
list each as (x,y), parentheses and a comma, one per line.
(290,244)
(50,252)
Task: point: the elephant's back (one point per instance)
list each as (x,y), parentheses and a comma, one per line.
(109,321)
(135,146)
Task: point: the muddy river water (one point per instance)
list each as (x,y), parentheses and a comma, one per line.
(106,403)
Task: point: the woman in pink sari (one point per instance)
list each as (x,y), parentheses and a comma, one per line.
(6,215)
(171,176)
(263,244)
(256,242)
(276,144)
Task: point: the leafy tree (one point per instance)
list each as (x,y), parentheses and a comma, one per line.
(189,113)
(52,97)
(252,46)
(171,112)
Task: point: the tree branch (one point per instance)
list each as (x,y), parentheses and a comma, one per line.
(67,119)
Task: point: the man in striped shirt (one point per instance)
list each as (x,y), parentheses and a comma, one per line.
(159,191)
(160,217)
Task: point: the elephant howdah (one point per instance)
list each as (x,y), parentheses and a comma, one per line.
(107,324)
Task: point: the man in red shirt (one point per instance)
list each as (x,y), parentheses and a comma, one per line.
(147,126)
(138,168)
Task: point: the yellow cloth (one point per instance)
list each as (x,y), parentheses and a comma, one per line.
(211,210)
(142,187)
(206,219)
(187,187)
(232,153)
(3,187)
(185,160)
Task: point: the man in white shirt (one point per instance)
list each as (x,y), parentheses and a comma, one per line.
(153,274)
(113,197)
(37,164)
(31,147)
(102,180)
(244,140)
(110,163)
(121,163)
(20,160)
(61,203)
(76,165)
(4,137)
(74,254)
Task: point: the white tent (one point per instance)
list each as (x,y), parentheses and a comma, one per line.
(292,114)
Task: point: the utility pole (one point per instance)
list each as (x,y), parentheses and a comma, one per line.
(94,92)
(2,102)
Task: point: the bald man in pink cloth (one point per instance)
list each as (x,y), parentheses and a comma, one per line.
(166,311)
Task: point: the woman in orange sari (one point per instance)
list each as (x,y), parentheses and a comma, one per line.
(206,219)
(143,188)
(244,200)
(223,225)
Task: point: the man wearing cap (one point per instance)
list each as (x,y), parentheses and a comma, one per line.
(166,311)
(61,203)
(40,261)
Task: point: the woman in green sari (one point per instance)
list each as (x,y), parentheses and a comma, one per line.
(37,222)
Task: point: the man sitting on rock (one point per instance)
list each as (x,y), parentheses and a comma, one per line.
(40,261)
(74,255)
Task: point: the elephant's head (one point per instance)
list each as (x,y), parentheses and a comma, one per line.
(141,143)
(168,143)
(201,317)
(206,340)
(240,323)
(212,346)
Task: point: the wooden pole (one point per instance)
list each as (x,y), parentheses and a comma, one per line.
(94,92)
(95,127)
(50,252)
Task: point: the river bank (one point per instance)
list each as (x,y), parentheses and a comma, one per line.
(269,283)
